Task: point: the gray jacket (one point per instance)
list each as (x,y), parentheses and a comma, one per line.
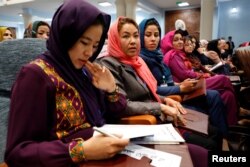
(139,99)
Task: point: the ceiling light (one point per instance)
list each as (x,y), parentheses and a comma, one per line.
(20,14)
(234,10)
(138,9)
(48,19)
(12,2)
(105,4)
(181,4)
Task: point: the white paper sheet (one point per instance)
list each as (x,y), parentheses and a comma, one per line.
(163,134)
(127,131)
(159,158)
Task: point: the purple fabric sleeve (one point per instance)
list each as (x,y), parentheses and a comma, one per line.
(178,69)
(31,140)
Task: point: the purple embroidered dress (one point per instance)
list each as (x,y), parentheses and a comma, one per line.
(52,103)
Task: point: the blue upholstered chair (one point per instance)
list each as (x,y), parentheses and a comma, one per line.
(13,54)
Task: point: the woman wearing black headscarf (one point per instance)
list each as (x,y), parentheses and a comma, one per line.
(51,119)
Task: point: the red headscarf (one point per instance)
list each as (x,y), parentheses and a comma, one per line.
(114,50)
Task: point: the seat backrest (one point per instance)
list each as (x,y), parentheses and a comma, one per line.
(13,55)
(243,55)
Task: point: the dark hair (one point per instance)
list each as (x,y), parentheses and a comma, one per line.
(183,33)
(153,22)
(126,20)
(213,45)
(188,38)
(99,21)
(197,43)
(35,27)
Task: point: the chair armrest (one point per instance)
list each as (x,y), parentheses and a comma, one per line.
(146,119)
(139,119)
(175,97)
(3,164)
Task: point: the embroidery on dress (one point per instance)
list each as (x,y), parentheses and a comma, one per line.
(69,106)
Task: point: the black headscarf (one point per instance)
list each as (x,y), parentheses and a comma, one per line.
(213,45)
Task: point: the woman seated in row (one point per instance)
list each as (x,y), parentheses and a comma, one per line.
(132,73)
(51,119)
(150,52)
(38,29)
(219,46)
(5,33)
(189,48)
(134,78)
(172,46)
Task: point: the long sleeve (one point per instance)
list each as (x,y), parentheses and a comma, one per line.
(168,90)
(139,98)
(160,70)
(30,141)
(179,71)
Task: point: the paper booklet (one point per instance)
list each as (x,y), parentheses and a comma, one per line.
(159,158)
(145,134)
(200,90)
(127,131)
(234,78)
(196,121)
(163,134)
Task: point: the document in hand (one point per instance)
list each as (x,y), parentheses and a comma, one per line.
(127,131)
(199,90)
(196,121)
(163,134)
(216,66)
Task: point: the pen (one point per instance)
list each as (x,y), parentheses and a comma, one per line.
(104,132)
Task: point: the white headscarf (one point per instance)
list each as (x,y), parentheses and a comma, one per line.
(180,24)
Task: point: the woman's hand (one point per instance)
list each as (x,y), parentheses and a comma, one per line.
(188,85)
(174,113)
(102,78)
(102,147)
(175,104)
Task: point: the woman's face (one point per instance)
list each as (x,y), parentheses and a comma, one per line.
(178,42)
(194,42)
(188,46)
(7,35)
(129,39)
(43,32)
(151,37)
(85,46)
(221,44)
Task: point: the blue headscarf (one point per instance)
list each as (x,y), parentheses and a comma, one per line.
(155,55)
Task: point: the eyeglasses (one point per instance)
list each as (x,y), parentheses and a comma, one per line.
(7,34)
(189,44)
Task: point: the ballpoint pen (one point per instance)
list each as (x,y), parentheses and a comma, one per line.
(104,132)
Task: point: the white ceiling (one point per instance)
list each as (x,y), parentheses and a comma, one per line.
(46,8)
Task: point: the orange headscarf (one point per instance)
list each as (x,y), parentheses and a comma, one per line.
(2,31)
(114,50)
